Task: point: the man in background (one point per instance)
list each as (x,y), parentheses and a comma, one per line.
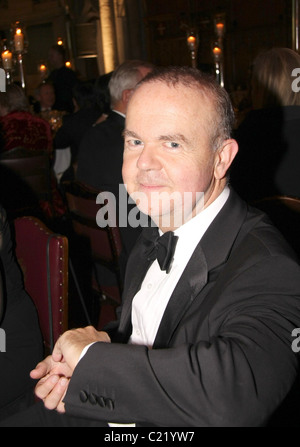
(63,79)
(100,156)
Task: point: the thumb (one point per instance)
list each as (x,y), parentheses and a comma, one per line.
(41,369)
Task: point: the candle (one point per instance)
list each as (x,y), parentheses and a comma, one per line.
(43,68)
(19,40)
(220,29)
(191,39)
(7,60)
(217,51)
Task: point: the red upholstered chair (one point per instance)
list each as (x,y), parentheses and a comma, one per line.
(43,257)
(1,299)
(25,181)
(103,245)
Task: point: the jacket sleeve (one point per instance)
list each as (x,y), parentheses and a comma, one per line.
(237,377)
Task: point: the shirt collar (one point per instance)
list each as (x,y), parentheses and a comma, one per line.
(190,233)
(119,113)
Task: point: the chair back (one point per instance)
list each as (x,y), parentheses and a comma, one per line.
(43,257)
(26,178)
(284,211)
(105,243)
(1,298)
(31,166)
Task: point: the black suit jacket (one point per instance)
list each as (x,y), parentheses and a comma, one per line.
(74,126)
(100,161)
(100,156)
(222,355)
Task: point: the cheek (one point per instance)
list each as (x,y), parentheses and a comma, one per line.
(192,177)
(128,171)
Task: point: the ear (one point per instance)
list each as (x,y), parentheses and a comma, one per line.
(126,94)
(224,157)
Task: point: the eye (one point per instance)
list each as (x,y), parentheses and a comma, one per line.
(134,143)
(172,145)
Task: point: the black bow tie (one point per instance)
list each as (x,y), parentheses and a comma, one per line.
(161,248)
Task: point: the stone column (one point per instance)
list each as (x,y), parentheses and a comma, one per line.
(121,29)
(108,31)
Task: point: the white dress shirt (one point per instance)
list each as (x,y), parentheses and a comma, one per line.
(151,301)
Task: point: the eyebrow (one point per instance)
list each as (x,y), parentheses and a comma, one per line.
(174,137)
(129,133)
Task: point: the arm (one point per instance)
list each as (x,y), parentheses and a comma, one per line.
(56,370)
(235,378)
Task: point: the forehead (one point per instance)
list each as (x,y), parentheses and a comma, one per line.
(45,88)
(160,103)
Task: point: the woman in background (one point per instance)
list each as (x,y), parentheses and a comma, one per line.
(18,126)
(268,161)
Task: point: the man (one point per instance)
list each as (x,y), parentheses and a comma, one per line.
(206,342)
(62,77)
(76,124)
(45,96)
(100,155)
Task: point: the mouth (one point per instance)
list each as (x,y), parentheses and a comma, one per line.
(151,183)
(150,186)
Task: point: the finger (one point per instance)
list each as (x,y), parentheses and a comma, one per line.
(61,407)
(54,399)
(46,385)
(57,355)
(41,369)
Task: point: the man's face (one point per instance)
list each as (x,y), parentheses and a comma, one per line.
(167,151)
(47,96)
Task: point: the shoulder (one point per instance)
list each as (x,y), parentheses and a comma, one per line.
(113,119)
(112,127)
(3,218)
(66,72)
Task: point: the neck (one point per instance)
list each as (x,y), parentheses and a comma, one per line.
(120,107)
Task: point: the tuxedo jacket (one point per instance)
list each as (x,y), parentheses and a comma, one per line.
(222,355)
(100,155)
(100,161)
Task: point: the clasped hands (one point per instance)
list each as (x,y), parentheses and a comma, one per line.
(55,371)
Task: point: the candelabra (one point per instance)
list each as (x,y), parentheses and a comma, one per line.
(7,62)
(218,60)
(18,45)
(192,42)
(19,48)
(12,53)
(218,55)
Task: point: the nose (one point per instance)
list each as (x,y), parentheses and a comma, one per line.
(148,159)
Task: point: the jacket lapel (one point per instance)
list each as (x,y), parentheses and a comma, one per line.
(136,269)
(192,281)
(207,260)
